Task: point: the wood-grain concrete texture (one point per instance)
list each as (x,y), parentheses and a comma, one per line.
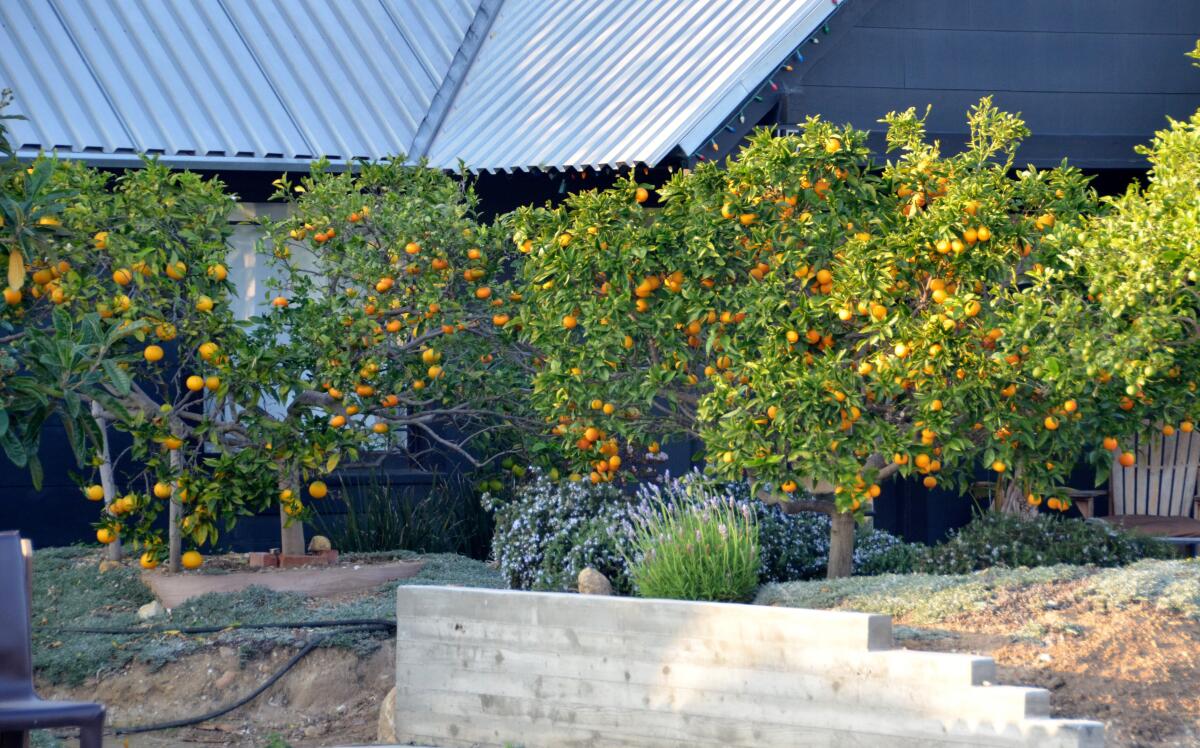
(542,670)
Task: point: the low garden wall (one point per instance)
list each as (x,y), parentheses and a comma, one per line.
(488,667)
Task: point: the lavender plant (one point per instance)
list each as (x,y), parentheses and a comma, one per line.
(697,548)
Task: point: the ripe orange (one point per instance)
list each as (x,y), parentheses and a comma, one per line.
(162,490)
(641,195)
(172,442)
(191,560)
(999,466)
(1127,459)
(1187,427)
(213,383)
(500,320)
(483,292)
(1051,423)
(789,486)
(1033,500)
(1168,430)
(279,302)
(122,277)
(1110,443)
(207,351)
(94,493)
(380,428)
(833,145)
(105,535)
(569,322)
(153,353)
(148,561)
(195,383)
(217,272)
(12,297)
(176,270)
(204,304)
(318,490)
(1070,406)
(930,481)
(747,218)
(337,421)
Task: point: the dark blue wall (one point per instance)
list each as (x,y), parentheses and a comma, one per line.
(1092,78)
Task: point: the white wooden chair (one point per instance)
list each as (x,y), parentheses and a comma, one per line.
(1159,495)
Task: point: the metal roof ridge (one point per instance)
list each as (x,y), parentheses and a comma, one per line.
(448,89)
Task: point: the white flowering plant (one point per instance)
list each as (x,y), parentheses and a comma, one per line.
(549,531)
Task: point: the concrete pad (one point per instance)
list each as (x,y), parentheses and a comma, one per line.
(174,589)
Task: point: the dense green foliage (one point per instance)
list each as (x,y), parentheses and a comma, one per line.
(995,539)
(695,549)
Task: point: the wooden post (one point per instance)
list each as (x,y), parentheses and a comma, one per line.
(291,532)
(174,536)
(841,545)
(113,551)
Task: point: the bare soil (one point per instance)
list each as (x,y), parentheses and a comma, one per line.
(314,581)
(1136,669)
(331,697)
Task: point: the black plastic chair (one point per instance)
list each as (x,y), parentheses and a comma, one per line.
(21,710)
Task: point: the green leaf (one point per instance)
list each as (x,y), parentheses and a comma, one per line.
(118,377)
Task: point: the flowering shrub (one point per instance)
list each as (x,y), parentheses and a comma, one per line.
(549,532)
(695,549)
(998,539)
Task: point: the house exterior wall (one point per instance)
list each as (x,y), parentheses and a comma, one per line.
(1092,78)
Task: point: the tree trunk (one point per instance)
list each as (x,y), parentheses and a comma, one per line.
(113,551)
(291,531)
(841,545)
(1009,498)
(174,535)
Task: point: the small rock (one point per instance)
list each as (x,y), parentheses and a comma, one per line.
(592,582)
(313,731)
(387,718)
(108,565)
(226,679)
(1045,657)
(151,610)
(319,543)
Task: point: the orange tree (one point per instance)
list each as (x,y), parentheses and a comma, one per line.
(821,323)
(1139,265)
(116,288)
(390,323)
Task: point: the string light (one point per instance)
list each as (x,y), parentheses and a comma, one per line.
(774,87)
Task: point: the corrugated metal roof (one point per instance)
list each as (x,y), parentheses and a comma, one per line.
(573,84)
(219,83)
(271,84)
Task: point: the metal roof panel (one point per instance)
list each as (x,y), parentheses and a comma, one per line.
(278,80)
(577,84)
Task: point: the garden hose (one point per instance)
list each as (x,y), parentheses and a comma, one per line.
(367,624)
(231,627)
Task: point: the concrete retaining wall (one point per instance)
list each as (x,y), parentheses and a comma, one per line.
(542,670)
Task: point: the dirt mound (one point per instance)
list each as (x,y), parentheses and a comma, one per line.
(331,697)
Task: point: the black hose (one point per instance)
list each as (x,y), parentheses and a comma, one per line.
(308,647)
(164,629)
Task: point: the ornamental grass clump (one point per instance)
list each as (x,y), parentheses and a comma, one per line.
(702,549)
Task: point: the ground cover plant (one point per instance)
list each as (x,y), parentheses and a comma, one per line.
(68,593)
